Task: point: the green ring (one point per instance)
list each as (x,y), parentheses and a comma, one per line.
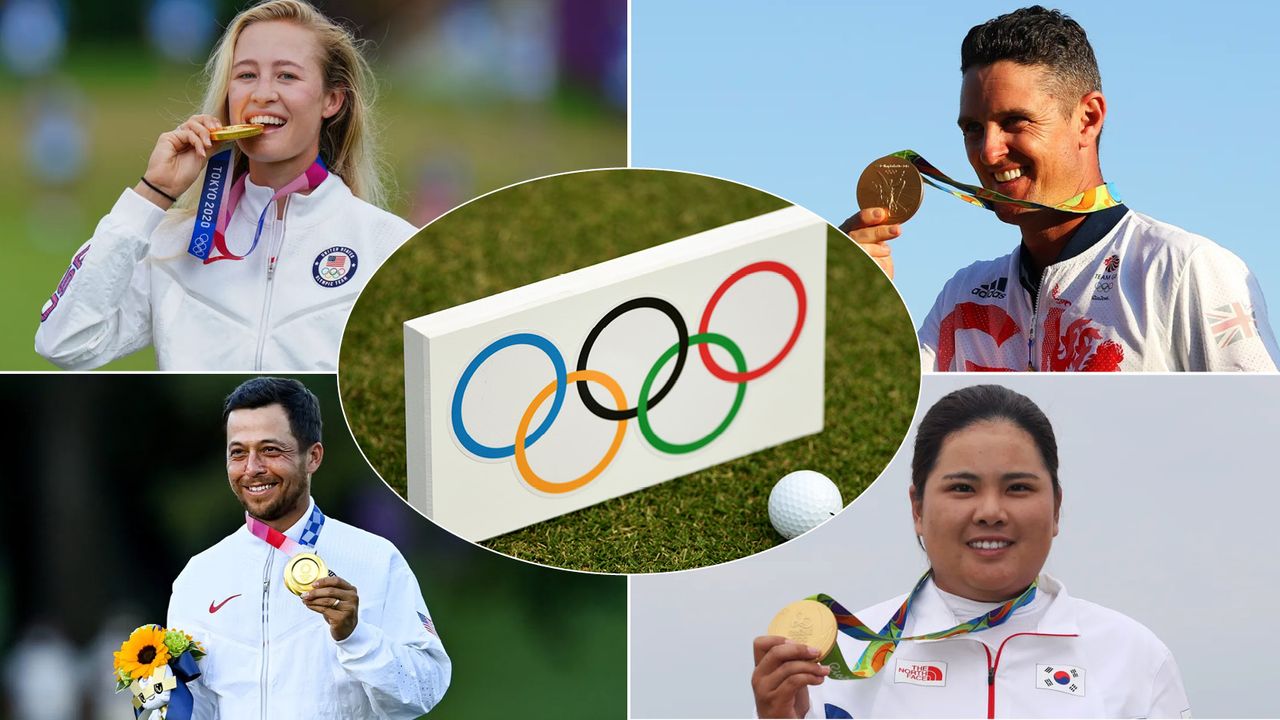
(642,406)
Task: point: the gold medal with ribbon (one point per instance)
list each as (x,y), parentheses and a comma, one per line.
(807,622)
(302,571)
(304,567)
(887,183)
(815,621)
(236,132)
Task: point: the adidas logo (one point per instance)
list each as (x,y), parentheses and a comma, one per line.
(994,289)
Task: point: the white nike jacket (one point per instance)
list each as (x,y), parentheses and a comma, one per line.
(1056,657)
(282,308)
(1146,297)
(270,657)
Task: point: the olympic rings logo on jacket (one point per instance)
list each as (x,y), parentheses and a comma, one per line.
(621,413)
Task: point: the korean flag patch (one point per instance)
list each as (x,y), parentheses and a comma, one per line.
(1061,678)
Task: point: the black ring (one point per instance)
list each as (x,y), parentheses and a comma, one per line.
(682,330)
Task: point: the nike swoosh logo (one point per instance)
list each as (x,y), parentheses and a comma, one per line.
(215,608)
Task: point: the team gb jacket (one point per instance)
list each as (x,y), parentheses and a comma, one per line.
(283,307)
(270,657)
(1145,296)
(1056,657)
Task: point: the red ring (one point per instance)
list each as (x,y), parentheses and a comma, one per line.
(764,266)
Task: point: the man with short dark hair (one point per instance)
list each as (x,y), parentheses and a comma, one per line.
(1108,289)
(286,636)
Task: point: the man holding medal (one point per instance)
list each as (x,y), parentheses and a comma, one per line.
(286,635)
(1093,285)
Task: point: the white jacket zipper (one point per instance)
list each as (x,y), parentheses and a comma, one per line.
(263,680)
(1035,321)
(274,246)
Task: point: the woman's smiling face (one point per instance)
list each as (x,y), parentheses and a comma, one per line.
(277,79)
(988,513)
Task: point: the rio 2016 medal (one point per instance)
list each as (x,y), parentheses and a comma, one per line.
(302,570)
(807,622)
(236,132)
(892,183)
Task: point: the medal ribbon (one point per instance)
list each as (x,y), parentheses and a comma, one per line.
(1092,200)
(284,543)
(213,215)
(181,702)
(884,643)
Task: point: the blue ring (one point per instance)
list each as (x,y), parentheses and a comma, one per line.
(498,453)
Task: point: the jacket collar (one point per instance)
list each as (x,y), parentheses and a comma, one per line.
(929,612)
(295,530)
(1093,230)
(301,208)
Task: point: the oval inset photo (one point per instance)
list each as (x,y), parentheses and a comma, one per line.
(629,371)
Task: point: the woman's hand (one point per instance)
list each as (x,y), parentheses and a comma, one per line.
(178,158)
(784,671)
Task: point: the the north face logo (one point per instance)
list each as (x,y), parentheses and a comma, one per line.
(994,289)
(913,672)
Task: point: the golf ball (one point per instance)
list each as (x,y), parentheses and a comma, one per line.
(801,501)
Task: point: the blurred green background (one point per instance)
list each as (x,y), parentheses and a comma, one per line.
(474,95)
(122,478)
(554,225)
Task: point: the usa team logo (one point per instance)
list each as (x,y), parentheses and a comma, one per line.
(334,266)
(1061,678)
(928,674)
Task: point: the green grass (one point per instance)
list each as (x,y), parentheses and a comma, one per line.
(129,99)
(541,229)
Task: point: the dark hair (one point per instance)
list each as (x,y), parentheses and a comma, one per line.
(966,406)
(1036,36)
(300,405)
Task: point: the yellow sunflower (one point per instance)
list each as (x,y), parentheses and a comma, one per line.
(143,653)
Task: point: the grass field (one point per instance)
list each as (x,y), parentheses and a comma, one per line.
(551,226)
(128,99)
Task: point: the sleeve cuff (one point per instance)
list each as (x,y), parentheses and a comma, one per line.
(362,641)
(136,213)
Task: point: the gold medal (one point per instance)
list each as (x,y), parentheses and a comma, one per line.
(236,132)
(302,570)
(807,622)
(892,183)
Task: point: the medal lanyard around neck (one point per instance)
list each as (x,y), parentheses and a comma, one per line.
(284,543)
(884,643)
(1092,200)
(213,214)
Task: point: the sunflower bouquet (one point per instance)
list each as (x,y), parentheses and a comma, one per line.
(155,665)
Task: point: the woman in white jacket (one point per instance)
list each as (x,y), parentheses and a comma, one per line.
(258,266)
(984,633)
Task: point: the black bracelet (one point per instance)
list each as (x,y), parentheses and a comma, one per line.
(147,182)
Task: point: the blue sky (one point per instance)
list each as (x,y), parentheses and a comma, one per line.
(796,98)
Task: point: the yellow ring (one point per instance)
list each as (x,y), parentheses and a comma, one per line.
(522,462)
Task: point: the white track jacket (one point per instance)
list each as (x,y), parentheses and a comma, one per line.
(281,308)
(1055,657)
(1145,296)
(270,657)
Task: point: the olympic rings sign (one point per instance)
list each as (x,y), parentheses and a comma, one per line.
(556,390)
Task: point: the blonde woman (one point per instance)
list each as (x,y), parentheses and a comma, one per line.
(245,255)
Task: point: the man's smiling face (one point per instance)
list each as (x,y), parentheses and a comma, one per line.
(1023,140)
(268,472)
